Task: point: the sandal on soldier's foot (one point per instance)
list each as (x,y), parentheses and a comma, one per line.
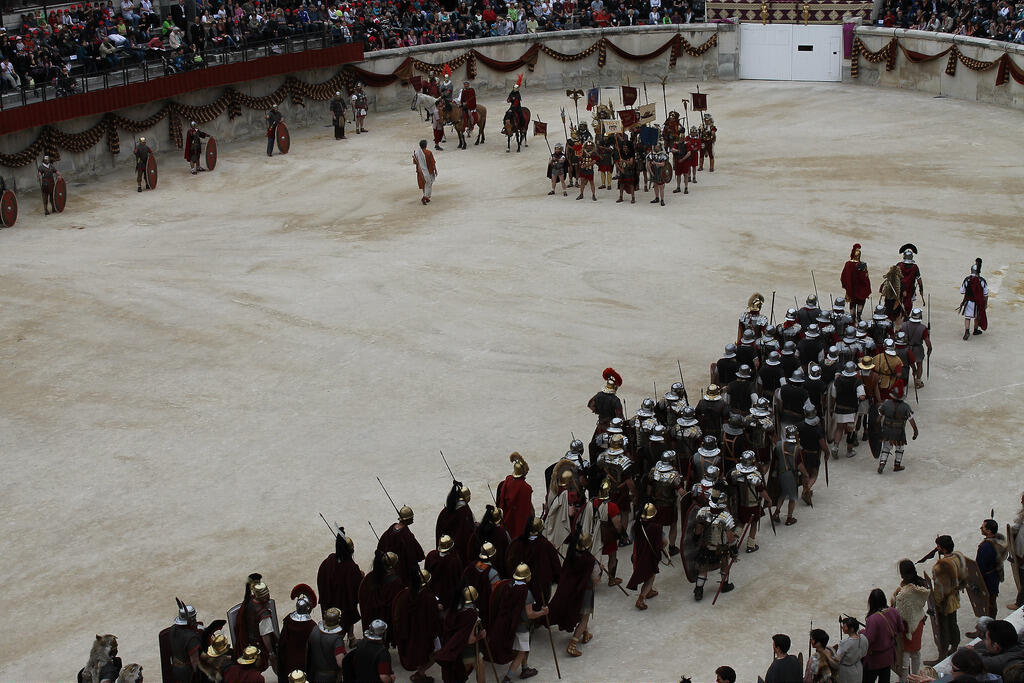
(686,191)
(528,672)
(898,468)
(633,200)
(587,637)
(776,518)
(573,649)
(614,581)
(977,331)
(967,335)
(551,193)
(593,197)
(663,202)
(676,190)
(654,201)
(653,593)
(790,521)
(619,200)
(579,198)
(753,548)
(640,604)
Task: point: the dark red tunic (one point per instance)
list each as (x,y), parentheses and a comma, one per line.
(445,576)
(337,583)
(574,581)
(646,555)
(508,601)
(458,627)
(515,498)
(479,576)
(541,556)
(909,273)
(416,621)
(399,540)
(499,538)
(292,648)
(375,600)
(855,282)
(459,525)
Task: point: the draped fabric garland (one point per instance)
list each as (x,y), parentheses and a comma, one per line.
(51,139)
(1006,68)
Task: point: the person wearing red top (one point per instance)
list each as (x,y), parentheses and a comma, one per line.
(602,521)
(693,144)
(856,282)
(515,497)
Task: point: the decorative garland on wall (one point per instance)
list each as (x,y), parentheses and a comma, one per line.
(1006,68)
(51,139)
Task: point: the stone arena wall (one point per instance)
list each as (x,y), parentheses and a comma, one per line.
(719,62)
(930,77)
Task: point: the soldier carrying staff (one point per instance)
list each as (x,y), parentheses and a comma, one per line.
(47,174)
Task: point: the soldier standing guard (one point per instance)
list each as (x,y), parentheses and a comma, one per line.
(47,174)
(718,542)
(142,154)
(556,169)
(693,143)
(975,302)
(708,136)
(339,114)
(605,162)
(194,147)
(359,107)
(585,160)
(789,466)
(660,173)
(274,117)
(681,163)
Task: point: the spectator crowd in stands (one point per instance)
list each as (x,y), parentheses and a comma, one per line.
(993,19)
(103,36)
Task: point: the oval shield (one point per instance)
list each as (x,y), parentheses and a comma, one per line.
(151,174)
(8,208)
(60,194)
(284,141)
(211,153)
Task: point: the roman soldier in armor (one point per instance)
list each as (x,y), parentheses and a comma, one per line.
(712,411)
(768,343)
(660,173)
(746,352)
(216,658)
(973,306)
(573,462)
(672,129)
(681,156)
(810,347)
(813,447)
(490,530)
(246,669)
(585,159)
(717,531)
(338,581)
(750,491)
(905,354)
(809,312)
(770,376)
(793,399)
(180,645)
(791,328)
(601,520)
(445,567)
(515,104)
(618,469)
(829,365)
(359,106)
(378,589)
(254,625)
(734,441)
(557,169)
(910,277)
(790,359)
(339,114)
(888,366)
(325,649)
(432,87)
(891,292)
(816,387)
(456,520)
(399,539)
(918,337)
(562,511)
(513,610)
(605,161)
(647,549)
(787,470)
(826,328)
(416,624)
(840,318)
(573,601)
(881,326)
(273,118)
(686,435)
(694,144)
(893,415)
(741,391)
(467,98)
(47,175)
(701,490)
(752,318)
(194,147)
(845,394)
(606,405)
(142,153)
(761,432)
(708,136)
(482,575)
(725,368)
(628,174)
(665,486)
(370,660)
(856,282)
(447,87)
(515,496)
(708,454)
(533,549)
(460,648)
(295,632)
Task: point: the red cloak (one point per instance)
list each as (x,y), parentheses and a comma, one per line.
(515,498)
(445,576)
(375,600)
(573,582)
(399,540)
(458,627)
(292,648)
(909,273)
(977,295)
(506,605)
(499,538)
(459,526)
(415,621)
(478,576)
(541,556)
(855,282)
(337,583)
(646,554)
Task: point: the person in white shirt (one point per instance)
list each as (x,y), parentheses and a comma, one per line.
(8,73)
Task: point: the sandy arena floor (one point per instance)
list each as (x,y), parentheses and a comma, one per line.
(190,375)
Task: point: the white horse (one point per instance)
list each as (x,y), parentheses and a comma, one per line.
(426,103)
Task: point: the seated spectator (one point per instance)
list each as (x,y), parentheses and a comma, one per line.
(1002,647)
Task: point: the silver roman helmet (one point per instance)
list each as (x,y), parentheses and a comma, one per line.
(186,614)
(646,408)
(748,462)
(667,462)
(576,446)
(688,418)
(730,351)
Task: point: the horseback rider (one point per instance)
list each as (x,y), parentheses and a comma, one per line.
(515,101)
(467,98)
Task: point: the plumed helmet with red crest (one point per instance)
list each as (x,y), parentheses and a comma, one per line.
(899,389)
(855,252)
(304,597)
(612,380)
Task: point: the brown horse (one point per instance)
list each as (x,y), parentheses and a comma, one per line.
(454,114)
(512,129)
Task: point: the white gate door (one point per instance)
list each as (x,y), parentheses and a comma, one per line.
(791,52)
